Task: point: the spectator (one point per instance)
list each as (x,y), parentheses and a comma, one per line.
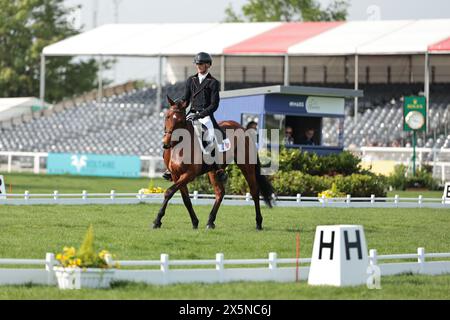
(308,138)
(288,136)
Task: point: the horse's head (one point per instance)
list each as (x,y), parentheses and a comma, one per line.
(175,118)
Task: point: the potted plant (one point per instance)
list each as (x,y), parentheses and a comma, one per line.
(151,191)
(329,195)
(84,268)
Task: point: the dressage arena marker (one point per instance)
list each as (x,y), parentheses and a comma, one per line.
(446,195)
(339,256)
(2,188)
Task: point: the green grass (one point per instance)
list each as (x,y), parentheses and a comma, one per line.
(31,231)
(20,182)
(393,287)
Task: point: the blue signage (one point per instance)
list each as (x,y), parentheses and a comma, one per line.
(94,165)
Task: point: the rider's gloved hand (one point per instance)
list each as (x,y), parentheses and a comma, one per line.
(193,116)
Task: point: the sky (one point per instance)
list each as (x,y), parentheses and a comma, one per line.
(185,11)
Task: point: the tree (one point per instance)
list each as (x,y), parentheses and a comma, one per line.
(26,27)
(288,10)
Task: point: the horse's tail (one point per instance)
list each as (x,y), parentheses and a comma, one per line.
(264,185)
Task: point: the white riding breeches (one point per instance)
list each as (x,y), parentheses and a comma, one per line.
(209,125)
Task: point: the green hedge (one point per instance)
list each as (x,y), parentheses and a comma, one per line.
(401,179)
(291,183)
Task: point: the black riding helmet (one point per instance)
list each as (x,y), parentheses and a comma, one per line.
(202,57)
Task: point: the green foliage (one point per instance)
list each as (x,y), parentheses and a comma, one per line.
(401,179)
(344,163)
(288,10)
(360,185)
(26,27)
(87,252)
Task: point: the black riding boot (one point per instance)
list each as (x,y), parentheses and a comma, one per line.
(167,175)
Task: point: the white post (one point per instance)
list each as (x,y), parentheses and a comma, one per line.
(286,69)
(36,168)
(247,196)
(152,168)
(27,195)
(220,266)
(42,82)
(113,194)
(55,195)
(164,267)
(420,200)
(299,197)
(356,87)
(195,195)
(323,200)
(348,200)
(421,259)
(373,259)
(9,162)
(84,195)
(396,200)
(50,261)
(141,195)
(272,260)
(372,198)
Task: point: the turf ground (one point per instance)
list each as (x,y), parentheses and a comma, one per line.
(30,232)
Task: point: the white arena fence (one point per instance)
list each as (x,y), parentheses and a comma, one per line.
(112,198)
(153,166)
(219,270)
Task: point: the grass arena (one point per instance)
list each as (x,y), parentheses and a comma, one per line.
(31,231)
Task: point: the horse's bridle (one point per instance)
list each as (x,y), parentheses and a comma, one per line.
(171,131)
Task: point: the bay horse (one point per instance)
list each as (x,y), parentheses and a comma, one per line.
(184,171)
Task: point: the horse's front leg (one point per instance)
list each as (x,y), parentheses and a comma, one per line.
(181,182)
(219,190)
(188,204)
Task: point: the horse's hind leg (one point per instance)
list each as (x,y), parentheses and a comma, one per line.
(188,204)
(219,190)
(249,172)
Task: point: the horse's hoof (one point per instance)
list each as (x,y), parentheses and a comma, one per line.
(259,227)
(195,226)
(157,225)
(210,226)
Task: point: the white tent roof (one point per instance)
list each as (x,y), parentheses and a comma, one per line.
(216,39)
(345,39)
(413,38)
(324,38)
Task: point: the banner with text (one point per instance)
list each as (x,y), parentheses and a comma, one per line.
(94,165)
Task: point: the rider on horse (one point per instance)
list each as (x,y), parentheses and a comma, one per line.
(202,93)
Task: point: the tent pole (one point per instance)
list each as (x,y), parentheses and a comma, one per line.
(427,88)
(159,85)
(222,73)
(286,69)
(42,82)
(100,81)
(356,86)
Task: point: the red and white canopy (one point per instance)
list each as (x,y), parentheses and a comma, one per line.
(268,38)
